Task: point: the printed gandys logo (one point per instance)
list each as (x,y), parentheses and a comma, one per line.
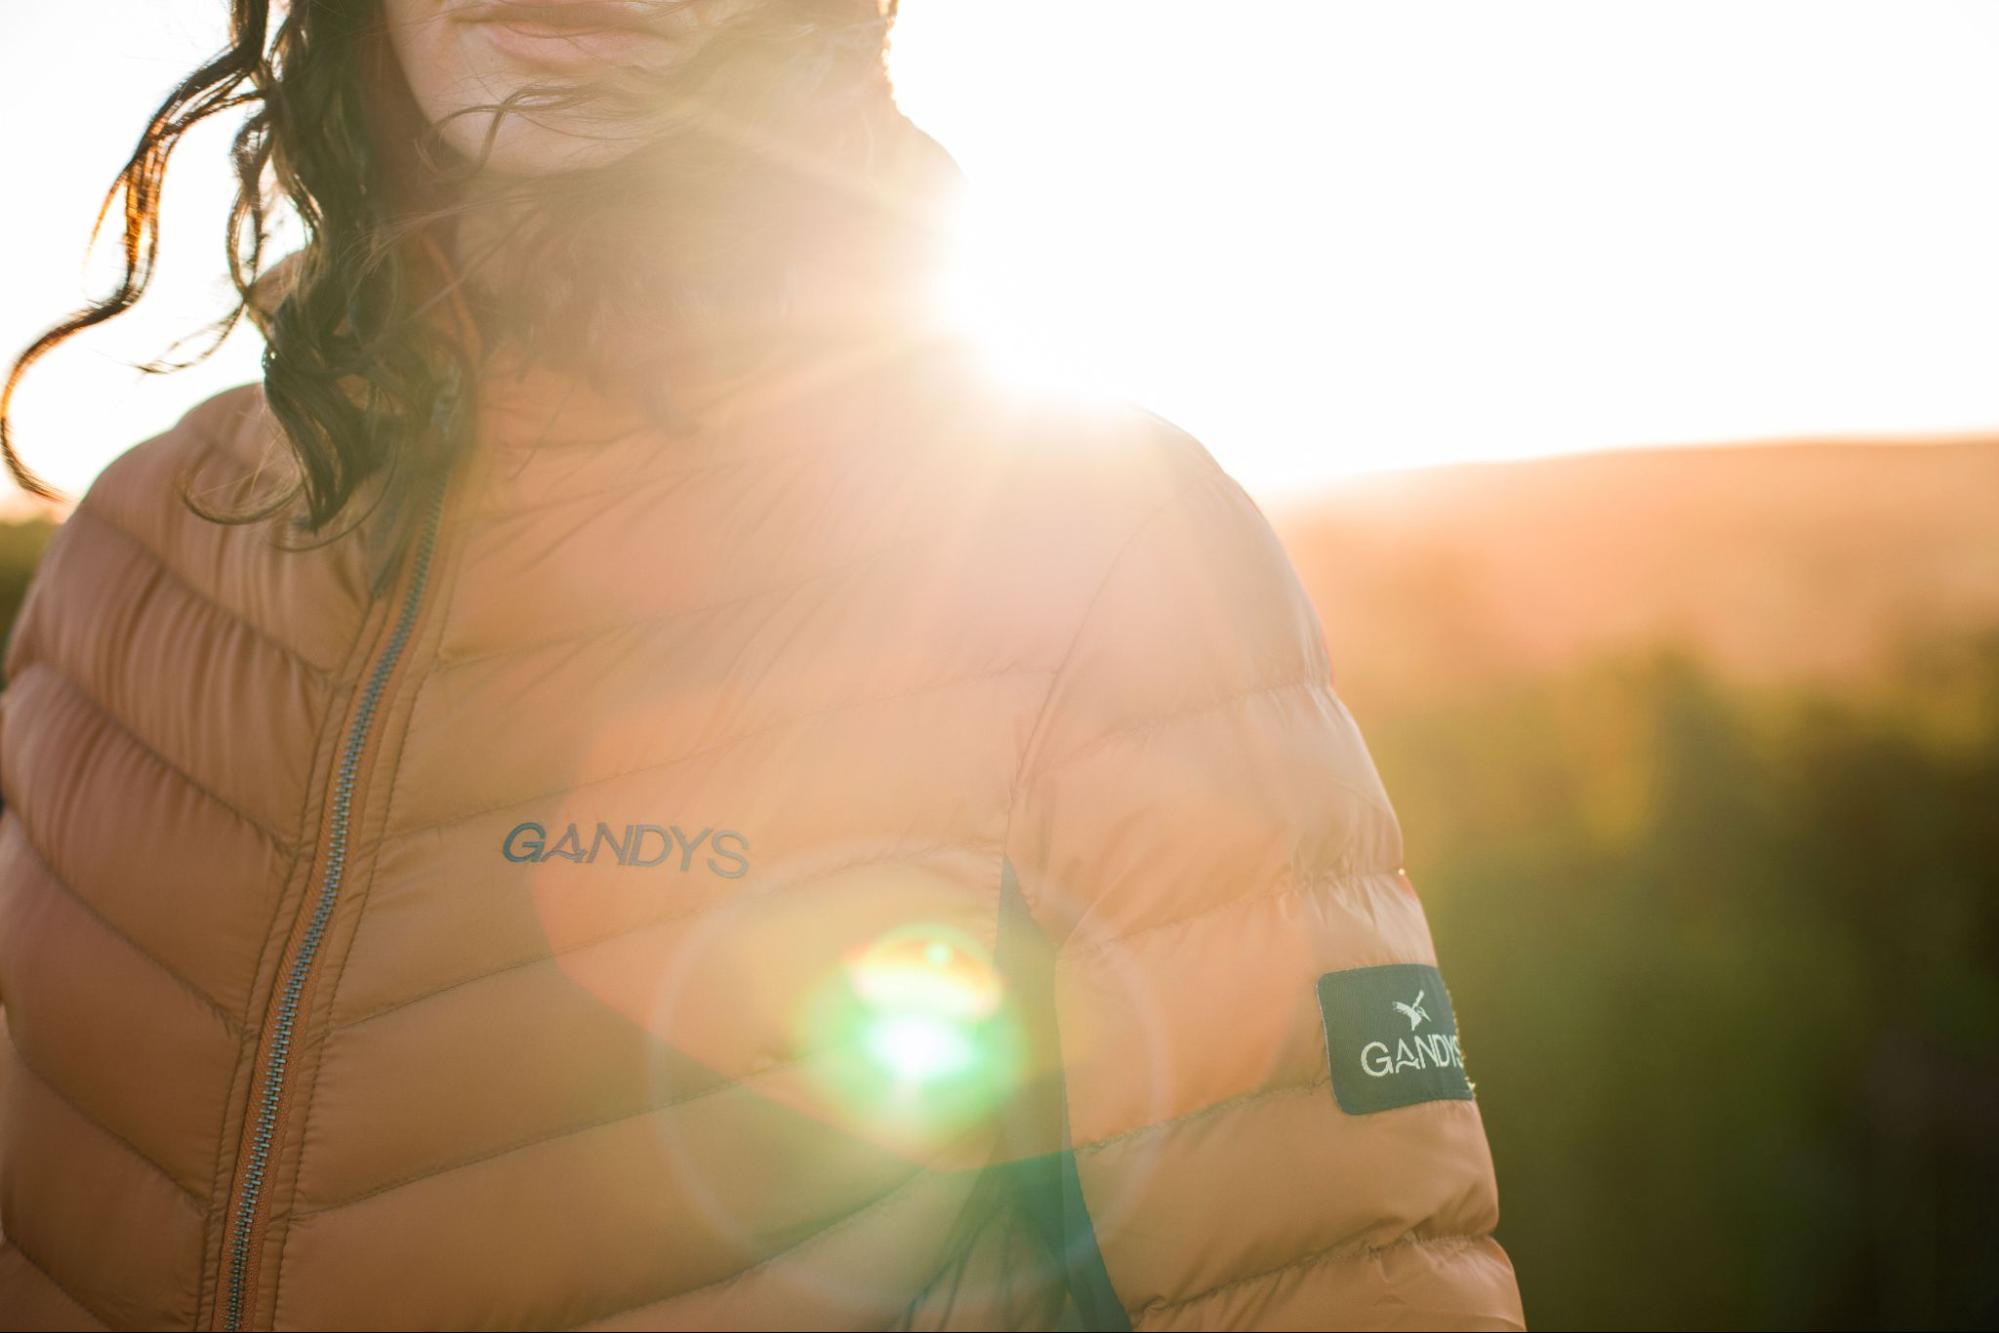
(1391,1038)
(627,846)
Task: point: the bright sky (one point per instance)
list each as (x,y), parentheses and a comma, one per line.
(1325,237)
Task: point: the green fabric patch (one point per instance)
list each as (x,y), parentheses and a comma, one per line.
(1391,1038)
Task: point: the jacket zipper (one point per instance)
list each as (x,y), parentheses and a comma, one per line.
(284,1015)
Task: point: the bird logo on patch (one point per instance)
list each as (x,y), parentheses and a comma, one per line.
(1413,1011)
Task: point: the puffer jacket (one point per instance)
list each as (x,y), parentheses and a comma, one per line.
(891,856)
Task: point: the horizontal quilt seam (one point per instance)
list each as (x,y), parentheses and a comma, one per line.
(1346,1253)
(1088,948)
(61,1289)
(1306,1086)
(1151,720)
(124,728)
(796,719)
(632,928)
(832,1228)
(110,927)
(192,1199)
(194,590)
(507,1150)
(639,623)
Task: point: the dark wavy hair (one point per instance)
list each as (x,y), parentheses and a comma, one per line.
(760,165)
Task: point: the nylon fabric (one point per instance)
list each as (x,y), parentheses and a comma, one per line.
(882,647)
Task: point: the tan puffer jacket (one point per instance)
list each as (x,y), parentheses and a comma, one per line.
(891,858)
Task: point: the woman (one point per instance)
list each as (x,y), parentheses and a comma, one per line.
(627,784)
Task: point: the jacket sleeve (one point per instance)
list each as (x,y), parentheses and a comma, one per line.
(1200,837)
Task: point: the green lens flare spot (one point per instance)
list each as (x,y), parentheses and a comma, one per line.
(917,1048)
(926,970)
(913,1033)
(925,992)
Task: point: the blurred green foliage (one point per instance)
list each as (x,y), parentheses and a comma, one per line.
(20,547)
(1724,962)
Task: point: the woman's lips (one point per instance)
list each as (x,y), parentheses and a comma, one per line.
(568,34)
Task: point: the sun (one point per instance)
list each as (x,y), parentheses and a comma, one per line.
(1030,299)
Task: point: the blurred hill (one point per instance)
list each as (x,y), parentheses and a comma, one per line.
(1765,563)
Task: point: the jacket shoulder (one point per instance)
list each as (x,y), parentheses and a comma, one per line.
(216,448)
(1119,556)
(132,541)
(1099,465)
(1134,518)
